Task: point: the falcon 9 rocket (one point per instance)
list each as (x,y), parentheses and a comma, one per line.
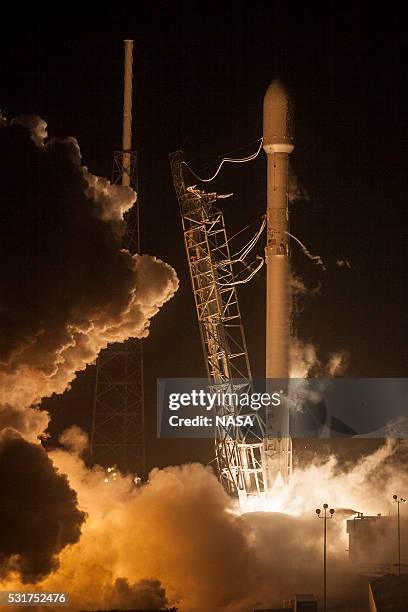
(278,143)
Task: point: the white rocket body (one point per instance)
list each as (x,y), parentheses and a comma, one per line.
(278,143)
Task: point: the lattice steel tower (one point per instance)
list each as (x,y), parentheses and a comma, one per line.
(240,453)
(117,436)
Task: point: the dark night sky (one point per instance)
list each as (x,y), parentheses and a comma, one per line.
(200,74)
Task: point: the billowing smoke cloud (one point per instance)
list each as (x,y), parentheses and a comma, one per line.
(36,126)
(39,513)
(74,439)
(181,538)
(142,595)
(29,422)
(179,529)
(68,289)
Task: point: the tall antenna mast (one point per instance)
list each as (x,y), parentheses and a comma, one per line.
(127,112)
(117,436)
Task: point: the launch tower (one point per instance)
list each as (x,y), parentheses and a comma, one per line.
(117,436)
(239,453)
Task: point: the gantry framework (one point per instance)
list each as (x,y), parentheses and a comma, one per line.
(239,452)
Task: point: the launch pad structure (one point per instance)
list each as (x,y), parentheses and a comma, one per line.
(251,461)
(239,453)
(117,435)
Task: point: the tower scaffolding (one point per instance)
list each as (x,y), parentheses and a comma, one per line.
(240,452)
(117,435)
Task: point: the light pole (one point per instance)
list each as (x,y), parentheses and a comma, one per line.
(399,501)
(325,517)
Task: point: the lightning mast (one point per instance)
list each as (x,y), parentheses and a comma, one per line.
(117,436)
(239,453)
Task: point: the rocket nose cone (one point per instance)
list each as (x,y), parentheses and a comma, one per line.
(275,91)
(278,130)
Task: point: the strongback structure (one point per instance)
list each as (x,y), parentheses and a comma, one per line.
(239,453)
(117,436)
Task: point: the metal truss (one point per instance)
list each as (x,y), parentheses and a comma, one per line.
(117,436)
(125,163)
(239,451)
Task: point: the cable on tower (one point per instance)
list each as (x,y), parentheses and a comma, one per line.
(242,253)
(245,280)
(230,160)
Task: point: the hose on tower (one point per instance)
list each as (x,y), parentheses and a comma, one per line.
(230,160)
(242,253)
(248,278)
(240,256)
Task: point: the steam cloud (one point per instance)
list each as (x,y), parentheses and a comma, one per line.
(303,356)
(297,191)
(182,529)
(304,361)
(39,514)
(67,290)
(144,594)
